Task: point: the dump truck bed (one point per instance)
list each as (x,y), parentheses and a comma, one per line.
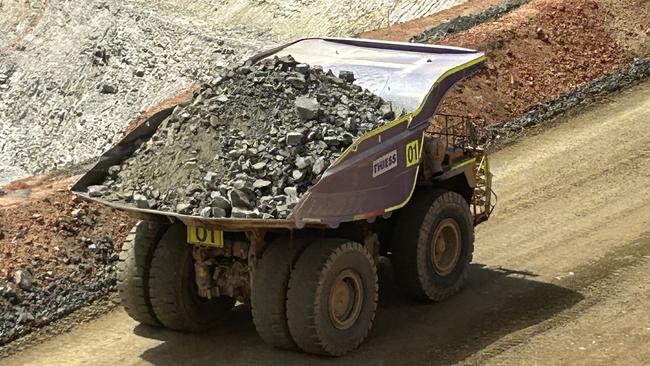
(378,172)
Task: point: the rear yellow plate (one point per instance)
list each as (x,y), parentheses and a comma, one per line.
(202,236)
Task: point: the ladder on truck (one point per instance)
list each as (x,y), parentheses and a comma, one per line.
(482,203)
(467,133)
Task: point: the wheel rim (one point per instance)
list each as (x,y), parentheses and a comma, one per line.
(446,247)
(346,297)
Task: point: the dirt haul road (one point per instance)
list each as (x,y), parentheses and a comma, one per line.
(560,276)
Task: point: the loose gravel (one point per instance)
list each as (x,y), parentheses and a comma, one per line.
(41,283)
(249,143)
(25,309)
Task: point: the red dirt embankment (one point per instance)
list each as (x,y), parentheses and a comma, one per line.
(543,49)
(51,234)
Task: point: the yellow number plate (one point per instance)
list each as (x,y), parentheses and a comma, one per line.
(412,153)
(199,235)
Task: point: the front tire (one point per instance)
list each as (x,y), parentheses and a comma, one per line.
(332,297)
(172,286)
(433,244)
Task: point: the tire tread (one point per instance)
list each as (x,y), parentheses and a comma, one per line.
(133,269)
(415,222)
(305,287)
(169,300)
(269,292)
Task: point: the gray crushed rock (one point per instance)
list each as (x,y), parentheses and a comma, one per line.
(249,143)
(33,298)
(23,278)
(88,68)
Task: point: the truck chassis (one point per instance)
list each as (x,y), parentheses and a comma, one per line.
(311,280)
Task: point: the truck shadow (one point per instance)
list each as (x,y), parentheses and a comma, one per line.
(495,303)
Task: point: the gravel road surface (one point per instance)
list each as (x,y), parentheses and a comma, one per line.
(560,275)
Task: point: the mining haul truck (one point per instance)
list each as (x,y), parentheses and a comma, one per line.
(411,191)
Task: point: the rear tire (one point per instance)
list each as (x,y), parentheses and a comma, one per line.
(433,244)
(332,297)
(133,271)
(269,292)
(172,285)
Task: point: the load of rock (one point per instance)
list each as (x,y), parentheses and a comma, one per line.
(249,143)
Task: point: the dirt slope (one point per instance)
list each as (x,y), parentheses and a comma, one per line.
(538,51)
(561,271)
